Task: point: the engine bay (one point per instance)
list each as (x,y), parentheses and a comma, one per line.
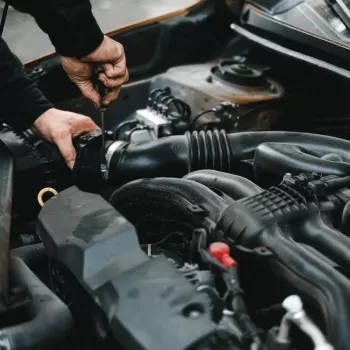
(221,221)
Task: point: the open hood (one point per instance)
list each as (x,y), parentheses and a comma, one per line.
(316,28)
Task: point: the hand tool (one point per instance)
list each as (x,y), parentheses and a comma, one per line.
(102,90)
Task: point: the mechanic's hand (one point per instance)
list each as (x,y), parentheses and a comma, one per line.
(110,55)
(60,127)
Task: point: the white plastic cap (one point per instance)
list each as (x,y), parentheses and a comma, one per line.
(293,304)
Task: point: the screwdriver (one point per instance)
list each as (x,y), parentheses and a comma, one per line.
(102,90)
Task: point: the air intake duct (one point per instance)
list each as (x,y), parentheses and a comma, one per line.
(174,156)
(271,154)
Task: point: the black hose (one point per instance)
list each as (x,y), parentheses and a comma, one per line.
(328,241)
(50,319)
(235,186)
(272,151)
(6,187)
(173,156)
(31,254)
(149,197)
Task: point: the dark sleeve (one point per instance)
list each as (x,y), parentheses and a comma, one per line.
(70,24)
(21,102)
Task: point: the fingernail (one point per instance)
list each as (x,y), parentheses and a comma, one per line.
(71,164)
(106,102)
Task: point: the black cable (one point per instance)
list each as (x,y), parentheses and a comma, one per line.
(180,107)
(153,92)
(161,105)
(151,99)
(132,130)
(198,116)
(154,102)
(122,125)
(3,18)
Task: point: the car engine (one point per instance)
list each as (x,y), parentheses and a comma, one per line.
(215,226)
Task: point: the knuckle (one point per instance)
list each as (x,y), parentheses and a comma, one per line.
(120,48)
(111,83)
(124,71)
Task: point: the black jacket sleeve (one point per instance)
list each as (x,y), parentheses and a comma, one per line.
(21,102)
(70,24)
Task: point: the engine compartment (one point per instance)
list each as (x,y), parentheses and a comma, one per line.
(221,223)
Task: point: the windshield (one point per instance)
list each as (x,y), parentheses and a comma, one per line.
(28,42)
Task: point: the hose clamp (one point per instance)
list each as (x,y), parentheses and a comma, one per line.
(111,149)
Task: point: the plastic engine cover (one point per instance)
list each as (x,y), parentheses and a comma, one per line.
(148,303)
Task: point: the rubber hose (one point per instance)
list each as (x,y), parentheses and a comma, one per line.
(50,319)
(326,240)
(31,254)
(173,156)
(150,196)
(176,156)
(278,152)
(235,186)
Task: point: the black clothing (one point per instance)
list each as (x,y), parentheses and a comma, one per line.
(70,24)
(73,31)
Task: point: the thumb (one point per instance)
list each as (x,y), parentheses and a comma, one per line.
(66,148)
(88,90)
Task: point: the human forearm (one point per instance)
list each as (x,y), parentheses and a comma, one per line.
(70,24)
(21,102)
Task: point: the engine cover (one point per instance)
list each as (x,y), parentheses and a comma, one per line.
(100,247)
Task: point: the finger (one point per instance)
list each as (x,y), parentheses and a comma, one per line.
(88,90)
(118,68)
(112,83)
(66,148)
(111,96)
(85,125)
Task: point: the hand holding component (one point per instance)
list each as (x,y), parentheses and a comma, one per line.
(60,127)
(99,86)
(111,57)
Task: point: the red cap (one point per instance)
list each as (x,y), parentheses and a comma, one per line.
(221,252)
